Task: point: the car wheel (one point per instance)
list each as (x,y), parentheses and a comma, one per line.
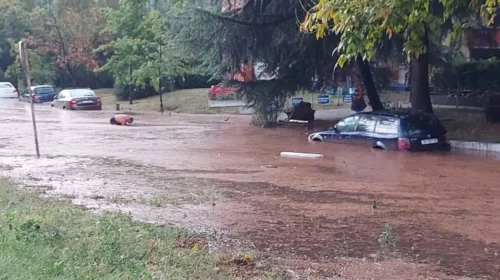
(64,108)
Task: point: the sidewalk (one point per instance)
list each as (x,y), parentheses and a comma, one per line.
(335,114)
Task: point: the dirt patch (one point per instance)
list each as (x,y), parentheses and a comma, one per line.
(239,266)
(191,243)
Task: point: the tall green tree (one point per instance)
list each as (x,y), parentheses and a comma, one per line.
(141,52)
(12,26)
(162,64)
(43,68)
(127,50)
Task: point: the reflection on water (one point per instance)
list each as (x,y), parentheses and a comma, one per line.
(476,154)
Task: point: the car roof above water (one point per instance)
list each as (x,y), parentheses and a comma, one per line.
(401,114)
(42,86)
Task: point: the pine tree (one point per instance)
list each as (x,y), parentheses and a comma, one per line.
(262,31)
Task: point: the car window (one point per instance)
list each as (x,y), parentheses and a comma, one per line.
(61,95)
(45,90)
(366,124)
(423,124)
(387,126)
(6,86)
(347,124)
(81,93)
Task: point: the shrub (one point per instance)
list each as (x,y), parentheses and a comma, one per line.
(267,98)
(123,91)
(194,81)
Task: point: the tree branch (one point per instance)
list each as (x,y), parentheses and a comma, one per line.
(249,23)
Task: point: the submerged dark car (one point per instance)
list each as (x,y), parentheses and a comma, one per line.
(40,94)
(389,130)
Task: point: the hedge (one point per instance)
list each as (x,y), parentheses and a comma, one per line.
(188,82)
(474,77)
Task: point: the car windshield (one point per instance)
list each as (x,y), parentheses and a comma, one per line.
(81,93)
(6,86)
(418,125)
(44,90)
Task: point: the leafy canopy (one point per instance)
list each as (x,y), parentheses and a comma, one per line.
(364,24)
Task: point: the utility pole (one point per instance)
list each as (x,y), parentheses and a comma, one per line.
(159,78)
(25,66)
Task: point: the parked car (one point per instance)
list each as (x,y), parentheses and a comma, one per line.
(40,94)
(7,90)
(77,99)
(397,130)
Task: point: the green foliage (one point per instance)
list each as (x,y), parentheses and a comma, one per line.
(43,69)
(364,24)
(49,239)
(267,98)
(123,91)
(11,11)
(388,237)
(476,76)
(194,81)
(256,32)
(142,60)
(162,63)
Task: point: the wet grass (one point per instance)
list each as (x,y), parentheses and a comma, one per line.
(203,196)
(468,125)
(43,238)
(192,101)
(312,98)
(6,167)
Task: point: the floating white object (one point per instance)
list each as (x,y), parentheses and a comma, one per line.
(298,121)
(300,155)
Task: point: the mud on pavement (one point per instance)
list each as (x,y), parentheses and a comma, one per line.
(312,218)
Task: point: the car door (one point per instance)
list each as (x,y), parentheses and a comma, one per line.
(59,102)
(345,129)
(364,130)
(386,133)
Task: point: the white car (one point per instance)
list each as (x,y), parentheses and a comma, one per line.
(7,90)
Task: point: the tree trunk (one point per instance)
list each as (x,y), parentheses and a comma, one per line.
(72,75)
(420,93)
(131,91)
(159,80)
(371,89)
(74,82)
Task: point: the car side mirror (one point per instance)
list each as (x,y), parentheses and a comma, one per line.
(55,97)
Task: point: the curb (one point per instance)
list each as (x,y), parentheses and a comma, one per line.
(478,146)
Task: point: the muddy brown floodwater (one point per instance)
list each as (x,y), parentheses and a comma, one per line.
(315,217)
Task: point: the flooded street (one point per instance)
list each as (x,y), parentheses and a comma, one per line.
(323,217)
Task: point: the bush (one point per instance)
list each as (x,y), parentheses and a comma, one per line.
(194,81)
(475,77)
(123,91)
(267,98)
